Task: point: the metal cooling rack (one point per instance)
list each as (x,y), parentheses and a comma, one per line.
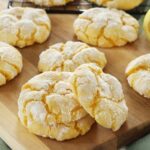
(76,7)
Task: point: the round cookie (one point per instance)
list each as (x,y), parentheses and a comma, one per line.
(101,95)
(49,108)
(119,4)
(138,75)
(10,62)
(105,27)
(24,26)
(50,3)
(68,56)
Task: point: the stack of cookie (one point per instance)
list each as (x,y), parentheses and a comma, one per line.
(72,92)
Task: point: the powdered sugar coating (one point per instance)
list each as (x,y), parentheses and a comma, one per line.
(10,62)
(119,4)
(24,26)
(106,28)
(49,108)
(138,75)
(101,95)
(68,56)
(50,3)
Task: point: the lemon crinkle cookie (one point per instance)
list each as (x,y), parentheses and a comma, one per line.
(10,62)
(101,95)
(49,108)
(106,28)
(50,3)
(68,56)
(138,75)
(24,26)
(119,4)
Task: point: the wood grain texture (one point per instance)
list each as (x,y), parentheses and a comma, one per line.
(138,122)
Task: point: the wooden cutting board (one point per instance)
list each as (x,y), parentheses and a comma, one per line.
(137,124)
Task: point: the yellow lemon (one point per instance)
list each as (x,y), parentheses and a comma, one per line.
(146,24)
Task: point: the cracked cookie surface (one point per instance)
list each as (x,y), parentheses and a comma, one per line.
(24,26)
(68,56)
(138,75)
(105,27)
(119,4)
(50,3)
(10,62)
(101,95)
(49,108)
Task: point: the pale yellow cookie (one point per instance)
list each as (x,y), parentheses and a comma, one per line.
(24,26)
(50,3)
(10,62)
(49,108)
(68,56)
(101,95)
(138,75)
(105,27)
(119,4)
